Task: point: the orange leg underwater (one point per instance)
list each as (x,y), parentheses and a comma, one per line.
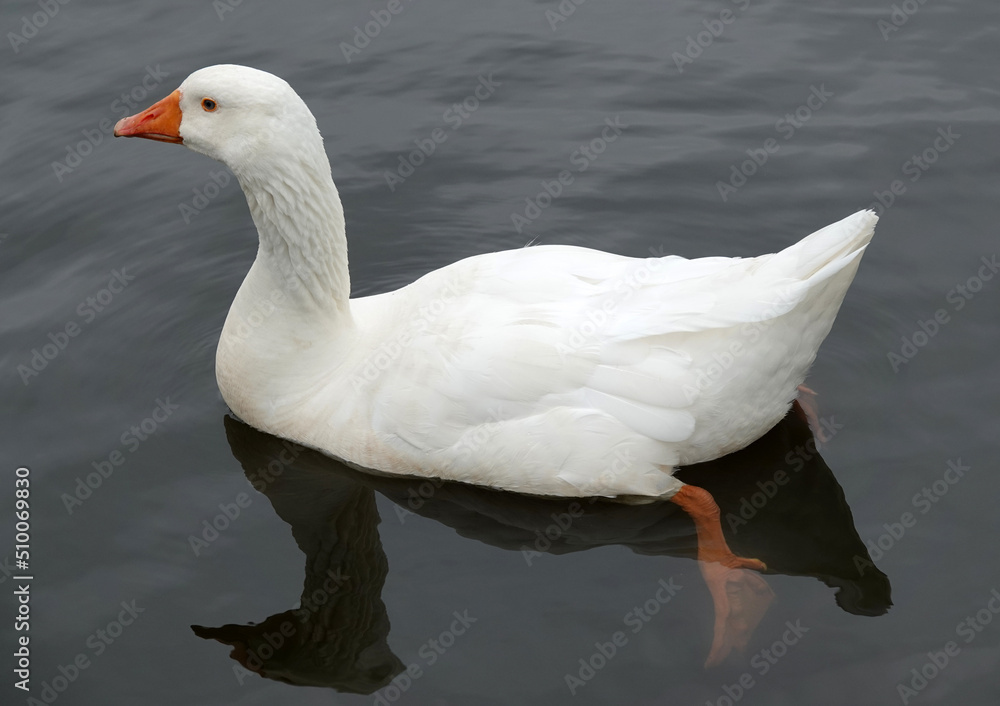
(741,598)
(808,410)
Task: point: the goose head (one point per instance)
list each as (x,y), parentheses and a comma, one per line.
(255,124)
(247,119)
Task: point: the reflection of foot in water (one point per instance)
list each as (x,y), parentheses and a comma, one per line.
(741,599)
(780,502)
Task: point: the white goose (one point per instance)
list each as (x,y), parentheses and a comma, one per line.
(548,370)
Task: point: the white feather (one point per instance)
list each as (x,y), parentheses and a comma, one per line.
(551,370)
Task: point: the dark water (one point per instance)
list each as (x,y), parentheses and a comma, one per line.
(846,106)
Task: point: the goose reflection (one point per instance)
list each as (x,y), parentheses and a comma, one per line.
(778,499)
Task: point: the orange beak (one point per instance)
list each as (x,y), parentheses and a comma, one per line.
(160,121)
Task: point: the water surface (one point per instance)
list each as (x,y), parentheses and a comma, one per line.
(850,108)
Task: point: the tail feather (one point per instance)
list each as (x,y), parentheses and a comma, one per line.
(837,241)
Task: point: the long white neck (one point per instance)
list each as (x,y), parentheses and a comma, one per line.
(292,315)
(303,244)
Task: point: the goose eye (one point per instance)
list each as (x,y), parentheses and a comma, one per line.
(209,104)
